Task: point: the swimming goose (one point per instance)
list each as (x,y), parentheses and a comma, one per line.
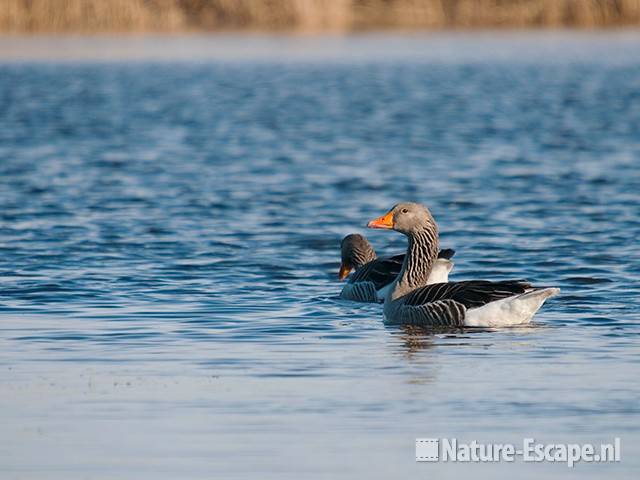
(373,275)
(476,303)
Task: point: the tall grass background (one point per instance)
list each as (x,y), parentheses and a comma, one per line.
(86,16)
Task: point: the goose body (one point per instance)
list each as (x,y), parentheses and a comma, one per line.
(469,304)
(373,276)
(478,303)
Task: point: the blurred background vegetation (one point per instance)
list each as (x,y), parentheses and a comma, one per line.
(86,16)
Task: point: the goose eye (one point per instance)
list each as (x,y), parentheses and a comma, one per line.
(404,210)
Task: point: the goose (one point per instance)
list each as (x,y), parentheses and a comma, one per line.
(476,303)
(373,275)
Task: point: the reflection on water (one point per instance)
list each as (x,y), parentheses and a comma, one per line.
(169,239)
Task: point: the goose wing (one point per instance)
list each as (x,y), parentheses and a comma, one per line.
(446,304)
(446,253)
(380,272)
(471,294)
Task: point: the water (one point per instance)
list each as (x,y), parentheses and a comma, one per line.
(169,250)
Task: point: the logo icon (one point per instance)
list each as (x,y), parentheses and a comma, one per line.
(427,449)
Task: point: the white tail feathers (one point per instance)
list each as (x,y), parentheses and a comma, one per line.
(541,293)
(440,271)
(516,310)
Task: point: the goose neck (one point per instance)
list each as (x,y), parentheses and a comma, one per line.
(422,252)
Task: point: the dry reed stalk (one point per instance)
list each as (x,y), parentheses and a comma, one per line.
(308,15)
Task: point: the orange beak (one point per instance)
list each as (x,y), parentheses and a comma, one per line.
(386,222)
(344,271)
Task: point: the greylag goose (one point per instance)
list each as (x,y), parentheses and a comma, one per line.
(475,303)
(373,275)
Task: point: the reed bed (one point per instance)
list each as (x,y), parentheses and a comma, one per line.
(88,16)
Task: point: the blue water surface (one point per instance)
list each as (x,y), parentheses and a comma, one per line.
(169,241)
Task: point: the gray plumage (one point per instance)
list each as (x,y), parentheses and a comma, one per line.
(411,301)
(356,251)
(373,274)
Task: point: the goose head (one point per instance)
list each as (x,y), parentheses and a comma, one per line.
(407,218)
(355,252)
